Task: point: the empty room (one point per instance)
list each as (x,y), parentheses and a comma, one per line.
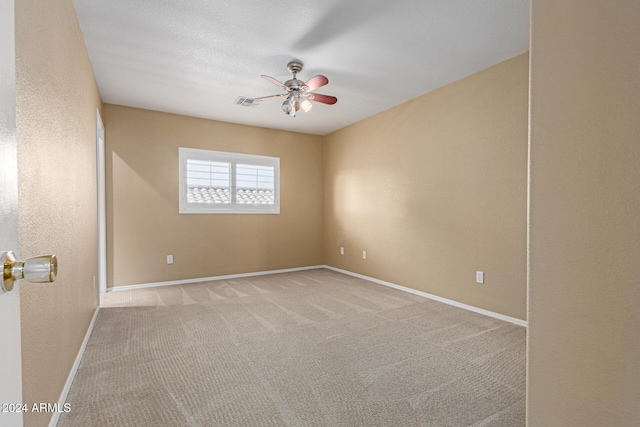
(364,213)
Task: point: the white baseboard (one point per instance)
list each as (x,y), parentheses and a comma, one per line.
(499,316)
(207,279)
(74,369)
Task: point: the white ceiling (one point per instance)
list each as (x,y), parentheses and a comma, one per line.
(196,57)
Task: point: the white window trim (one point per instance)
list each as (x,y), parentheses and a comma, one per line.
(185,154)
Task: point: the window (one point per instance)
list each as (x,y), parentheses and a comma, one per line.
(220,182)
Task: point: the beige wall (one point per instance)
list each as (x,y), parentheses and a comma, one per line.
(435,189)
(56,102)
(143,223)
(584,285)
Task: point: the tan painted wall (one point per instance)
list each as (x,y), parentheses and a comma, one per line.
(143,224)
(56,101)
(584,285)
(435,189)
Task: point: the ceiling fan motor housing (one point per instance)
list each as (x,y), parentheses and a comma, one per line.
(295,84)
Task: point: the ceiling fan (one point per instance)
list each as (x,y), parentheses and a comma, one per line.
(299,93)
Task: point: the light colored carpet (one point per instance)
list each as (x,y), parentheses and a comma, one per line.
(310,348)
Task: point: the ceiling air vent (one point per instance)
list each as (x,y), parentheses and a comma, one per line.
(247,102)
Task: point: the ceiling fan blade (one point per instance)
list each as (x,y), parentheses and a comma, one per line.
(325,99)
(271,96)
(274,81)
(315,82)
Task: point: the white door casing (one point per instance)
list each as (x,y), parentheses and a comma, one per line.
(102,212)
(10,354)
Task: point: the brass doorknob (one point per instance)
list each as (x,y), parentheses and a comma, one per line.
(39,269)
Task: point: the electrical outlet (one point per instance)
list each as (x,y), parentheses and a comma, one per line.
(169,259)
(480,277)
(341,250)
(364,254)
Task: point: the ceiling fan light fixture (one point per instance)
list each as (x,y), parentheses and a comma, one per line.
(287,106)
(306,105)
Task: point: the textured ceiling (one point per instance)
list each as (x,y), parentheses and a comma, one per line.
(196,57)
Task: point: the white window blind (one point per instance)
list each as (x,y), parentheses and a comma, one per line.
(208,182)
(221,182)
(255,184)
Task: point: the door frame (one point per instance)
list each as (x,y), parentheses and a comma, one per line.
(102,206)
(10,335)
